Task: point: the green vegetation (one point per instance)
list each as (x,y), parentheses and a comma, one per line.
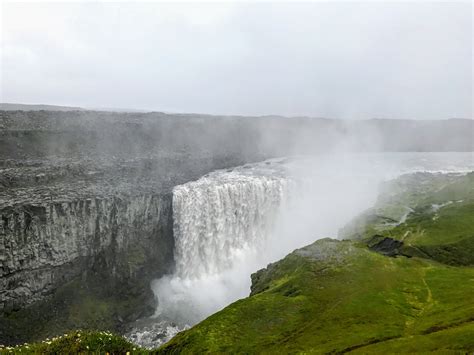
(440,220)
(446,235)
(349,301)
(77,342)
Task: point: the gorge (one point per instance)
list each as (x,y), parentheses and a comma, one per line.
(90,221)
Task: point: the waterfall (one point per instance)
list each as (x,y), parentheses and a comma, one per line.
(222,225)
(217,219)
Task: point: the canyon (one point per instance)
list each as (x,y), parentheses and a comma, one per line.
(86,201)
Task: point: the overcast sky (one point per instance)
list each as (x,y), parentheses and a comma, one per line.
(334,59)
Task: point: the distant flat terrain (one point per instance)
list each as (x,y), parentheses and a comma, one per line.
(27,107)
(41,107)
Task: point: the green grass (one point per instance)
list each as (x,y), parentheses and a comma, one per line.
(322,306)
(445,234)
(77,342)
(456,340)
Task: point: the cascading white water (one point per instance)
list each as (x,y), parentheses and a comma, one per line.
(222,222)
(218,218)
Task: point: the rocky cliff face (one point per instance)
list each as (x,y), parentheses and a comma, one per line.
(45,245)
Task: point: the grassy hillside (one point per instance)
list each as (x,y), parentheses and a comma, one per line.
(431,215)
(341,299)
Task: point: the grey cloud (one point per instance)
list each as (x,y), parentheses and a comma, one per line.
(343,60)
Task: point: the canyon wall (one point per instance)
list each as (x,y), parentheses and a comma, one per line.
(43,246)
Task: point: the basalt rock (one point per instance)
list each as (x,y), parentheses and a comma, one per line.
(386,246)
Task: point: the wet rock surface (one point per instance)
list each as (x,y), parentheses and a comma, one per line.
(386,246)
(327,249)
